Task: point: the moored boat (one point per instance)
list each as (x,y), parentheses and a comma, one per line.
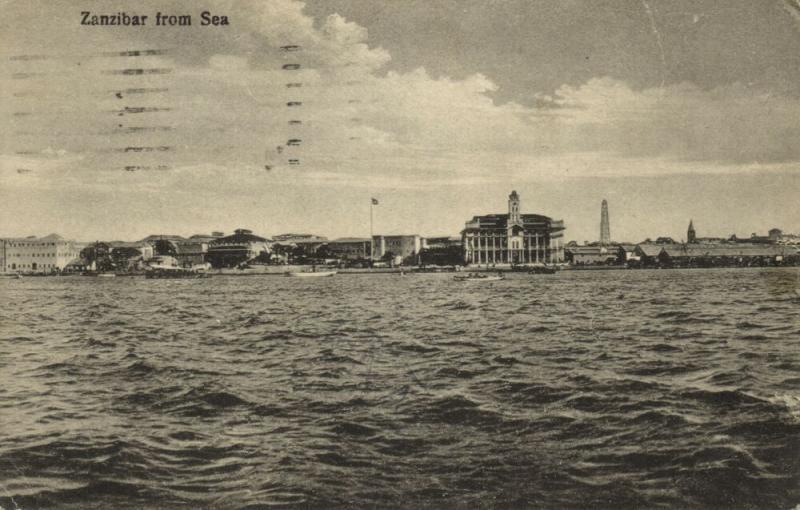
(309,274)
(476,277)
(175,272)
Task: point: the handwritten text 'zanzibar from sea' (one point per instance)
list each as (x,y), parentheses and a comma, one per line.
(123,19)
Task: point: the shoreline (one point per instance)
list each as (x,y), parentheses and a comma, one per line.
(282,270)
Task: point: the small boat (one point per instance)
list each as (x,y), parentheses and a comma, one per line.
(175,272)
(543,270)
(474,277)
(309,274)
(95,274)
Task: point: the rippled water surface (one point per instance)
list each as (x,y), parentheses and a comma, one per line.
(601,389)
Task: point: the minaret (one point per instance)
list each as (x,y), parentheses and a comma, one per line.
(691,236)
(605,228)
(513,208)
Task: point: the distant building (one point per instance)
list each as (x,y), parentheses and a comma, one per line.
(605,226)
(777,236)
(158,237)
(37,254)
(432,243)
(349,248)
(405,247)
(628,253)
(193,251)
(691,237)
(307,244)
(240,247)
(442,251)
(292,238)
(592,255)
(513,238)
(145,249)
(647,254)
(717,255)
(205,238)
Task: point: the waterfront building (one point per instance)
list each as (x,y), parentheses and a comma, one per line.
(648,253)
(145,249)
(402,247)
(513,238)
(192,251)
(442,242)
(34,254)
(592,255)
(717,255)
(627,253)
(349,248)
(294,238)
(442,251)
(240,247)
(605,227)
(162,237)
(777,236)
(307,244)
(205,238)
(127,256)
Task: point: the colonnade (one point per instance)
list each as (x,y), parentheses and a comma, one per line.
(488,248)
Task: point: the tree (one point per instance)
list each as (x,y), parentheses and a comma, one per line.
(444,256)
(324,252)
(100,255)
(125,257)
(165,247)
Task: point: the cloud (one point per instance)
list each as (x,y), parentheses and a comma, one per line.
(225,108)
(731,124)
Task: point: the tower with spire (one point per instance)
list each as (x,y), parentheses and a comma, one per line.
(605,227)
(513,209)
(691,236)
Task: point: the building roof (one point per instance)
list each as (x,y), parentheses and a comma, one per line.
(157,237)
(126,244)
(501,220)
(239,237)
(727,250)
(593,250)
(203,238)
(298,238)
(343,240)
(52,238)
(650,250)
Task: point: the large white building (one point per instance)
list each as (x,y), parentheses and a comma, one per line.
(37,254)
(513,238)
(402,247)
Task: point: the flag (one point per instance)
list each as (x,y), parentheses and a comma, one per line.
(374,201)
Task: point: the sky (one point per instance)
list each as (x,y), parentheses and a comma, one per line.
(671,111)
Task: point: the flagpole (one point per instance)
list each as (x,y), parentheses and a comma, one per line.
(371,247)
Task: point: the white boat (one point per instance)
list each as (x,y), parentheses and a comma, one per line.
(478,278)
(309,274)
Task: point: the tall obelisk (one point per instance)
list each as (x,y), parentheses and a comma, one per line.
(605,228)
